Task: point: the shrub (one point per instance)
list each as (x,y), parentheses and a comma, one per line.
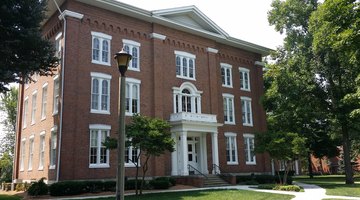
(243,179)
(172,181)
(22,187)
(67,188)
(266,186)
(264,179)
(130,184)
(251,182)
(287,188)
(160,184)
(38,188)
(109,186)
(289,180)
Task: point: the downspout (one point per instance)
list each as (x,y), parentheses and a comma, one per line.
(61,17)
(18,132)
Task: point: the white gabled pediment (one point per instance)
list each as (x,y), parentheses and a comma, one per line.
(190,16)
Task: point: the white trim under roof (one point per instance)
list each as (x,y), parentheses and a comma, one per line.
(159,17)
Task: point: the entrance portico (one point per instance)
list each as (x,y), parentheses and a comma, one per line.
(189,131)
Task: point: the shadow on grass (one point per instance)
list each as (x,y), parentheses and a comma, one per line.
(9,197)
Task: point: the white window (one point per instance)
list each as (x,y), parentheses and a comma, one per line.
(226,75)
(58,45)
(25,111)
(185,65)
(187,98)
(56,95)
(231,149)
(53,146)
(244,79)
(44,101)
(133,48)
(99,154)
(33,107)
(22,154)
(100,93)
(229,114)
(247,118)
(131,156)
(249,145)
(42,150)
(101,48)
(31,152)
(132,96)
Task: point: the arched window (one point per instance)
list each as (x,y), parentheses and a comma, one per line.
(187,99)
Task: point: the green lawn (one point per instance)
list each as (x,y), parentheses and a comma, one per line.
(209,195)
(334,184)
(9,197)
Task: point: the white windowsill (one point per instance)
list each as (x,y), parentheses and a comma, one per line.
(232,163)
(99,166)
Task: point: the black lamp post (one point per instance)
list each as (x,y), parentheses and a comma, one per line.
(123,60)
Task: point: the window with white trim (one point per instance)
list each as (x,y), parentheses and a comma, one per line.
(187,98)
(33,107)
(247,118)
(53,146)
(44,101)
(131,156)
(244,79)
(58,39)
(22,154)
(132,96)
(229,114)
(100,93)
(31,152)
(99,154)
(133,48)
(226,75)
(56,95)
(25,111)
(42,150)
(231,149)
(249,146)
(101,48)
(185,65)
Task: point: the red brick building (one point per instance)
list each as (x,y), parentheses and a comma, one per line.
(185,69)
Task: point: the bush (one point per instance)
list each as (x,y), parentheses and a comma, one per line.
(22,187)
(289,180)
(266,186)
(287,188)
(243,179)
(264,179)
(38,188)
(67,188)
(252,182)
(110,186)
(130,184)
(160,184)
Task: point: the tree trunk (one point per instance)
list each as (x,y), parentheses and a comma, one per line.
(136,178)
(311,174)
(145,168)
(347,159)
(278,172)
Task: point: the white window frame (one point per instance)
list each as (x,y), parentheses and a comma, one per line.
(25,112)
(58,44)
(99,128)
(100,77)
(246,106)
(101,37)
(31,152)
(188,57)
(33,107)
(242,72)
(44,100)
(22,154)
(249,138)
(229,106)
(56,95)
(130,150)
(42,150)
(232,142)
(227,69)
(195,98)
(133,44)
(53,147)
(130,83)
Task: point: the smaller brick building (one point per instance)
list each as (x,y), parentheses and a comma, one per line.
(185,69)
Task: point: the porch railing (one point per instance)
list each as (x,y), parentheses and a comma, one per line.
(194,169)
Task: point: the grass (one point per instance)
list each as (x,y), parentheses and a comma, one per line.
(334,184)
(9,197)
(209,195)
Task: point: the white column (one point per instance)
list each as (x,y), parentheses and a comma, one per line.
(215,151)
(297,167)
(184,153)
(272,167)
(204,163)
(174,158)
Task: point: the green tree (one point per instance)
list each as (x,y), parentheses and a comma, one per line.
(335,27)
(8,105)
(281,146)
(23,50)
(6,166)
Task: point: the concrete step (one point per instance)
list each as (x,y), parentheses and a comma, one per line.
(215,181)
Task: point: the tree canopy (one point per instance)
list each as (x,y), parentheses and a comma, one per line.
(311,88)
(23,50)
